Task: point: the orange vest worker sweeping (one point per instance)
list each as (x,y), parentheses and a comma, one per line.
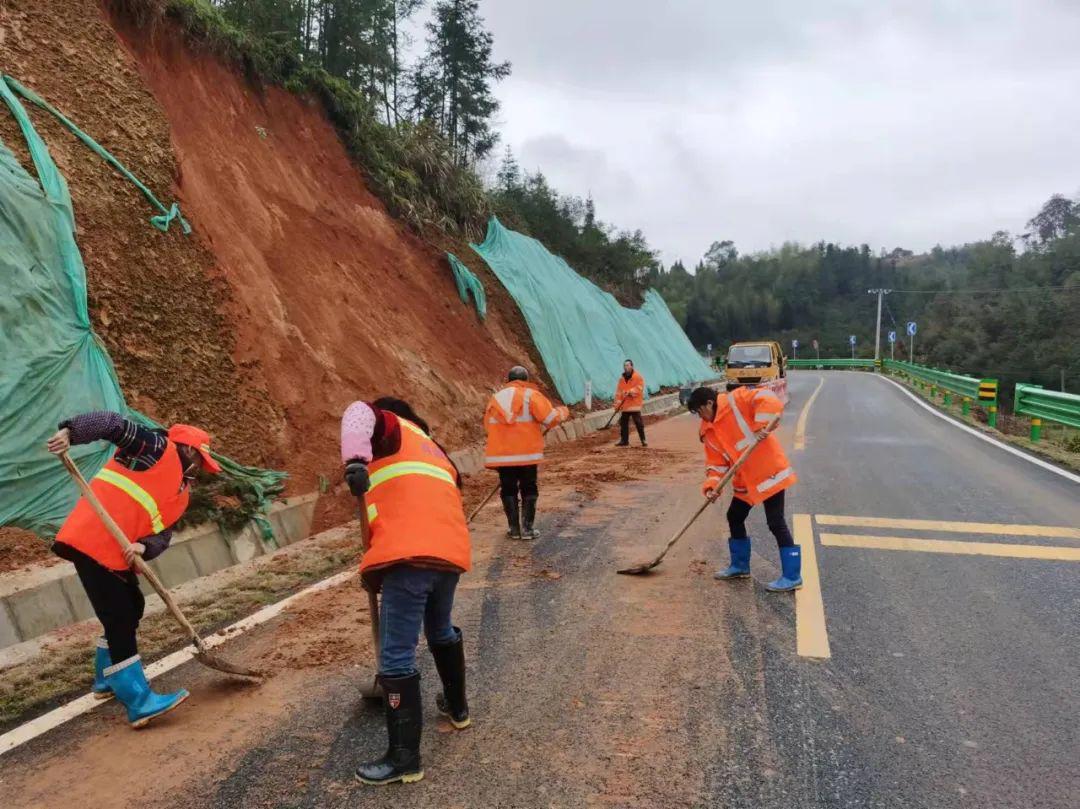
(729,425)
(515,420)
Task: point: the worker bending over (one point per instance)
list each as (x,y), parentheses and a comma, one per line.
(418,549)
(729,423)
(145,487)
(629,399)
(516,420)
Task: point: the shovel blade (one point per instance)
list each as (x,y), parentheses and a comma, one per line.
(639,570)
(218,664)
(373,691)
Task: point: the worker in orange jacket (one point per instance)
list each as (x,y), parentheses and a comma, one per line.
(145,487)
(629,400)
(729,423)
(516,419)
(418,548)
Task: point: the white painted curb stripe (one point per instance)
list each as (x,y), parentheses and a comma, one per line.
(1000,444)
(58,716)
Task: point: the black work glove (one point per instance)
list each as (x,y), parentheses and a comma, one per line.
(356,475)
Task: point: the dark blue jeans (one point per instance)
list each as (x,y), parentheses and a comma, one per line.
(411,597)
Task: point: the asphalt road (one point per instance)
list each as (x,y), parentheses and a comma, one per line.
(952,680)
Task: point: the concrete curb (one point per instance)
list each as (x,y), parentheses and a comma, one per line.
(38,601)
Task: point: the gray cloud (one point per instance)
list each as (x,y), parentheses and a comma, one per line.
(892,123)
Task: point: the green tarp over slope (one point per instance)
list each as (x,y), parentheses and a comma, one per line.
(53,364)
(582,332)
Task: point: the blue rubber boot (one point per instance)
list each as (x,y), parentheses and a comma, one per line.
(100,689)
(740,560)
(128,682)
(791,571)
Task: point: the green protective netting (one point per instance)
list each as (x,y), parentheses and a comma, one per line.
(53,364)
(582,332)
(167,215)
(468,283)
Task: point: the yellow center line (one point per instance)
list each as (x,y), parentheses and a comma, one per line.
(956,527)
(811,634)
(951,546)
(800,426)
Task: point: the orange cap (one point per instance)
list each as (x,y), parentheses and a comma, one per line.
(197,439)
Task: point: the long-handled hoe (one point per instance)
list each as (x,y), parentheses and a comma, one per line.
(373,691)
(645,567)
(202,653)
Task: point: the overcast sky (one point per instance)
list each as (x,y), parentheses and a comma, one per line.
(893,123)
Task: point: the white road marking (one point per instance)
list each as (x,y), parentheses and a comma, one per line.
(1010,449)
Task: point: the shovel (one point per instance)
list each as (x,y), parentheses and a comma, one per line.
(483,503)
(645,567)
(202,653)
(614,413)
(373,691)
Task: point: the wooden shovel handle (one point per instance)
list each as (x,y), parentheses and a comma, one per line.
(121,540)
(373,596)
(724,481)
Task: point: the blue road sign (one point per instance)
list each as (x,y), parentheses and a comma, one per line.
(892,337)
(851,339)
(794,343)
(912,328)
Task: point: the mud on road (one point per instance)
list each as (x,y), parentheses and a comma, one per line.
(586,688)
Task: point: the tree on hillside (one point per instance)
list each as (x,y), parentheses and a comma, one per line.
(360,41)
(453,84)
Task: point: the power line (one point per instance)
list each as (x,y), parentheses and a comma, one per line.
(992,290)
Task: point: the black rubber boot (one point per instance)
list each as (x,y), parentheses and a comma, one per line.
(404,723)
(528,517)
(450,663)
(513,517)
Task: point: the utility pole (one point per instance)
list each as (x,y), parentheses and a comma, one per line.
(881,293)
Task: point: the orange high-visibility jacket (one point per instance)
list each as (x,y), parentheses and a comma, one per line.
(414,508)
(739,414)
(630,393)
(515,420)
(142,504)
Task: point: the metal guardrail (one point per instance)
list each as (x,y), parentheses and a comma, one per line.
(969,388)
(831,363)
(1052,405)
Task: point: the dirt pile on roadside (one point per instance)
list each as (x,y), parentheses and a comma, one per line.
(297,292)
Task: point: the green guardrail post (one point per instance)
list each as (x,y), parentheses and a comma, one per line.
(1036,429)
(993,416)
(947,399)
(967,406)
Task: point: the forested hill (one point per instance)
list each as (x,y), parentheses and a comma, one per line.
(1007,307)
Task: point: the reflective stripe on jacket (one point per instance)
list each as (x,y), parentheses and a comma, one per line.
(141,503)
(414,507)
(515,420)
(631,393)
(740,414)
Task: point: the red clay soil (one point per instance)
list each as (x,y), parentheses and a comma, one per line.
(297,292)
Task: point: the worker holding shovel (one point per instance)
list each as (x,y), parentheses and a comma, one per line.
(418,548)
(516,420)
(145,487)
(629,401)
(732,424)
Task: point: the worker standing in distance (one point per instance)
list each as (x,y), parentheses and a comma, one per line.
(629,399)
(418,548)
(145,487)
(516,419)
(728,427)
